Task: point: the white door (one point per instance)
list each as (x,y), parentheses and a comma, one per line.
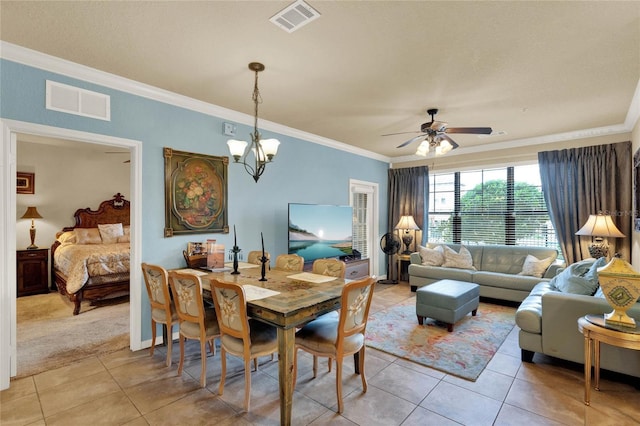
(363,197)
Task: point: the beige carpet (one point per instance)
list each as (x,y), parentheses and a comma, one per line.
(50,336)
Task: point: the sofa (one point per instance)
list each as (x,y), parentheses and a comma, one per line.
(497,269)
(548,319)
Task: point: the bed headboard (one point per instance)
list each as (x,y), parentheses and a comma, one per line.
(115,210)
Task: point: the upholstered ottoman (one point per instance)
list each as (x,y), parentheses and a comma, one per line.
(447,301)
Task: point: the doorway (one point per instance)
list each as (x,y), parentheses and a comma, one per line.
(8,161)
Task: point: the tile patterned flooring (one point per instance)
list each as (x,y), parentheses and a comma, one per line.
(130,388)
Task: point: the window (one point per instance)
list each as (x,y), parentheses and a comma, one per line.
(496,206)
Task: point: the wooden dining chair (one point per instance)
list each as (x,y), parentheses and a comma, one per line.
(255,255)
(330,267)
(336,338)
(163,310)
(289,262)
(240,336)
(196,321)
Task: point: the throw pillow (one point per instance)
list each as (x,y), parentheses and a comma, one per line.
(126,237)
(432,256)
(68,237)
(580,277)
(87,236)
(110,232)
(461,260)
(535,267)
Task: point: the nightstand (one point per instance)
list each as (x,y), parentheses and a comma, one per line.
(32,272)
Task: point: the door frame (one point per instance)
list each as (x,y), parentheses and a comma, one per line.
(371,188)
(8,163)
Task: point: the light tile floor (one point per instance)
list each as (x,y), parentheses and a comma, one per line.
(130,388)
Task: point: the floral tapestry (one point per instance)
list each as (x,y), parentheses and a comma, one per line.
(195,193)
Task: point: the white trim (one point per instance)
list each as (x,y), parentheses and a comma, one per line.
(7,219)
(56,65)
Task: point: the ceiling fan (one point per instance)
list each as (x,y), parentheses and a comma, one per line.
(435,138)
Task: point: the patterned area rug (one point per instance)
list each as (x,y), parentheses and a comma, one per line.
(465,352)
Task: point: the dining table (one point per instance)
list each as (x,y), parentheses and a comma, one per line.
(285,300)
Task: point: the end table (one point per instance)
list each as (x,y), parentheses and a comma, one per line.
(596,330)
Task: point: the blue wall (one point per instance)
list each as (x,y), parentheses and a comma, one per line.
(302,172)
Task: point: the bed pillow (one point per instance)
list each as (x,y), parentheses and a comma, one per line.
(68,237)
(461,260)
(110,232)
(535,267)
(87,236)
(126,236)
(432,256)
(580,277)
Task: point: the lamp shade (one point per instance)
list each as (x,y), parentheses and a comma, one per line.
(600,225)
(407,222)
(31,213)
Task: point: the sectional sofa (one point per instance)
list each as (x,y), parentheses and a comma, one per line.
(497,269)
(548,319)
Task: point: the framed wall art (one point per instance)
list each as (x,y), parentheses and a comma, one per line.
(25,183)
(195,193)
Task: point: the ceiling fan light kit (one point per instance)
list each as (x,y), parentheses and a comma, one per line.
(434,138)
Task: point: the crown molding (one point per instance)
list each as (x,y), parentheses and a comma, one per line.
(70,69)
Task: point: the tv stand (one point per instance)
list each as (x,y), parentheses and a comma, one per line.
(356,269)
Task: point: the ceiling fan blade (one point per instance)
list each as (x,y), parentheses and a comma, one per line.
(470,130)
(438,126)
(401,133)
(412,140)
(451,141)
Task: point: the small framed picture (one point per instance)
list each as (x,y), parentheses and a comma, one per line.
(25,183)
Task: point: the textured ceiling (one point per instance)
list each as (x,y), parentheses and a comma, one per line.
(363,69)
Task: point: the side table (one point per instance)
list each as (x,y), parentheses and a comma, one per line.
(403,267)
(596,331)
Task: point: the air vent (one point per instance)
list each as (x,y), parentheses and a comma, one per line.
(294,16)
(73,100)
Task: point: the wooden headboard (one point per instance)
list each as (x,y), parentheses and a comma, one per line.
(116,210)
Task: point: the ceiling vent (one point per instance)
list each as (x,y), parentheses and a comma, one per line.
(73,100)
(294,16)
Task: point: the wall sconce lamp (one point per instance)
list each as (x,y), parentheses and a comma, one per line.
(407,224)
(600,226)
(263,149)
(32,213)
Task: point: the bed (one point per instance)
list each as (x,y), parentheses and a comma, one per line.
(90,260)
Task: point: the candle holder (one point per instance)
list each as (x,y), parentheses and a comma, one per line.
(235,252)
(264,259)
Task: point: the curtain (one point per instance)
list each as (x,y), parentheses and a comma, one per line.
(579,182)
(409,195)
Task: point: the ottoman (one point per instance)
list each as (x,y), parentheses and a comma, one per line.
(447,301)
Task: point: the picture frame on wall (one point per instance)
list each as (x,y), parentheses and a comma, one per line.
(195,193)
(25,183)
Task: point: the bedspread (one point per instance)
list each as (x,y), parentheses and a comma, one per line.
(78,262)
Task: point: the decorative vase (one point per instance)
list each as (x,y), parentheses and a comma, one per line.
(620,284)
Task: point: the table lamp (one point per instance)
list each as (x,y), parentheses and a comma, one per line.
(408,224)
(599,226)
(32,213)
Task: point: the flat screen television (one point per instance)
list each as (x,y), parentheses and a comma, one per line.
(320,231)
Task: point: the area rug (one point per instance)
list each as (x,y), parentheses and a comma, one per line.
(465,352)
(50,336)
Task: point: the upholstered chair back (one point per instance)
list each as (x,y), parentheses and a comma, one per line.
(289,262)
(330,267)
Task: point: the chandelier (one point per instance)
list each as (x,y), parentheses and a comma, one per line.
(263,150)
(437,143)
